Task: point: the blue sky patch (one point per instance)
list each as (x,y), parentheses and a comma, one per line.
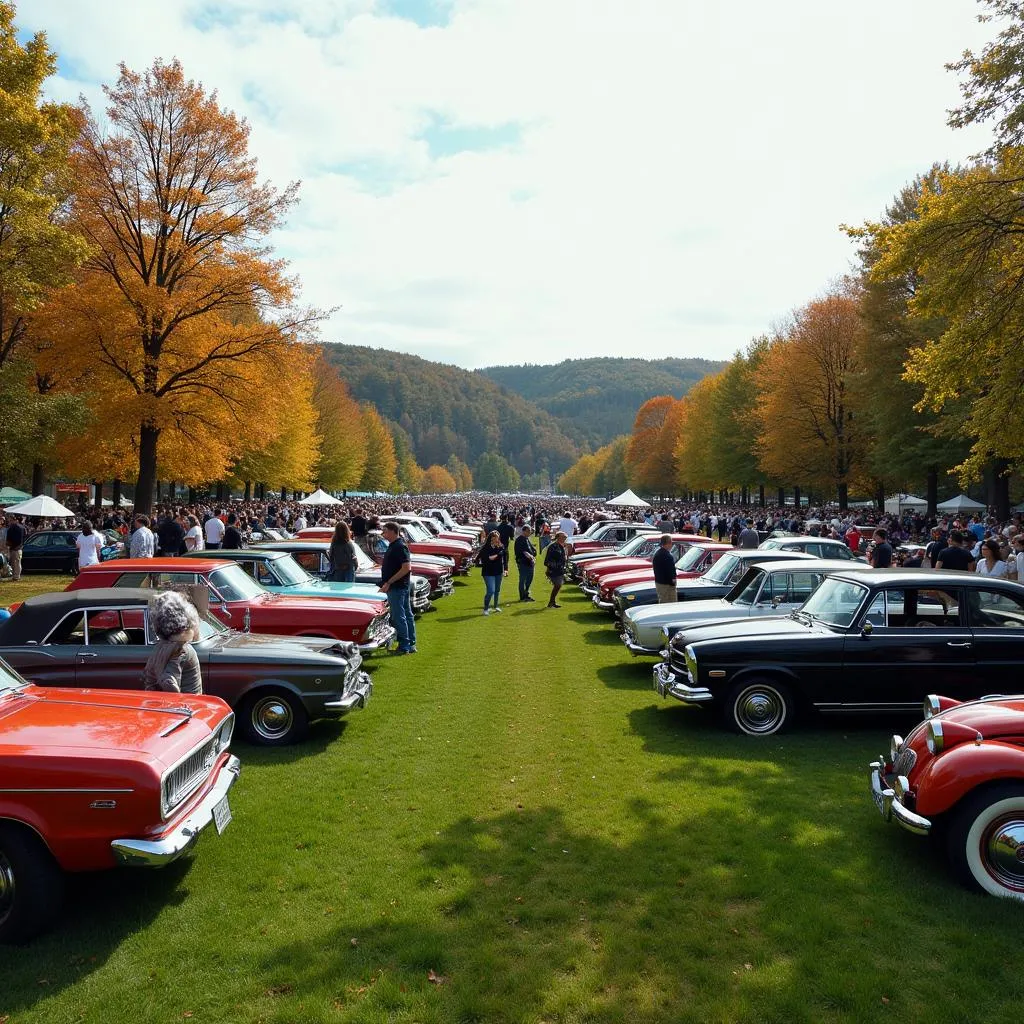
(425,13)
(446,139)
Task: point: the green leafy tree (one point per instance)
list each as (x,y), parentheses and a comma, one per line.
(495,473)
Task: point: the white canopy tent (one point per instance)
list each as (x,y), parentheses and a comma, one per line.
(898,503)
(320,497)
(627,497)
(43,506)
(961,503)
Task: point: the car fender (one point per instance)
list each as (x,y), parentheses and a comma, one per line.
(770,669)
(954,773)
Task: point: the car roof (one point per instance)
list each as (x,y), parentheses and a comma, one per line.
(170,564)
(236,554)
(813,564)
(770,555)
(926,577)
(37,615)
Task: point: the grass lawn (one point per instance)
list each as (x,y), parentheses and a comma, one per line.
(517,828)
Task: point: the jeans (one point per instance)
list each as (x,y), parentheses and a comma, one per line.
(402,618)
(525,579)
(493,585)
(342,576)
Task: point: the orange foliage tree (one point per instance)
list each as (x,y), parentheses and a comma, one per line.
(649,467)
(437,480)
(340,426)
(186,321)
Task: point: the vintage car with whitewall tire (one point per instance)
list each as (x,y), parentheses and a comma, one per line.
(771,589)
(959,775)
(102,638)
(726,571)
(866,641)
(97,779)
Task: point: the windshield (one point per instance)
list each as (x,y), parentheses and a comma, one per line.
(723,569)
(233,584)
(835,602)
(209,627)
(290,572)
(638,546)
(363,560)
(748,588)
(691,557)
(416,532)
(9,679)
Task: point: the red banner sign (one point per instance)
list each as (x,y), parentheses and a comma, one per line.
(72,488)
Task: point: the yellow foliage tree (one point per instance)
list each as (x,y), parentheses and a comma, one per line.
(648,466)
(380,472)
(695,448)
(339,424)
(437,480)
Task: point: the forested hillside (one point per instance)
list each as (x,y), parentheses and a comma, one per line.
(597,399)
(446,410)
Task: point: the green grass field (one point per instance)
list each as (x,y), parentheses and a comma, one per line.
(517,828)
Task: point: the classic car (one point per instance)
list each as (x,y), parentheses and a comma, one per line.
(819,547)
(960,773)
(640,559)
(420,542)
(102,638)
(771,589)
(867,640)
(727,569)
(605,536)
(643,545)
(437,531)
(240,602)
(444,517)
(429,580)
(93,779)
(55,550)
(693,558)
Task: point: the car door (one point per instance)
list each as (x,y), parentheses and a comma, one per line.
(909,642)
(996,617)
(115,650)
(45,552)
(52,662)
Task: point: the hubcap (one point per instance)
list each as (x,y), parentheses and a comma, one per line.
(1002,848)
(272,718)
(760,710)
(6,887)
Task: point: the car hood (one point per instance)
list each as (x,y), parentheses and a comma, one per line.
(993,719)
(106,723)
(688,611)
(692,586)
(273,647)
(784,626)
(327,588)
(286,602)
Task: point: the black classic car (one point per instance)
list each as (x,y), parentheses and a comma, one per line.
(867,640)
(55,550)
(716,582)
(100,638)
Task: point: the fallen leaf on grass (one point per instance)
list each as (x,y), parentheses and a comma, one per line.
(353,942)
(885,1000)
(434,978)
(748,967)
(280,990)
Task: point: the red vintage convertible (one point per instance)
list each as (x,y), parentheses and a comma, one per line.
(93,779)
(241,603)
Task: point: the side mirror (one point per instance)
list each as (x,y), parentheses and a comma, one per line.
(867,629)
(776,601)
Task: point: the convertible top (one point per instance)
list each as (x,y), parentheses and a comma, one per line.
(38,615)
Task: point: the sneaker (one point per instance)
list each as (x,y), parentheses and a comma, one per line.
(496,608)
(401,651)
(487,611)
(528,598)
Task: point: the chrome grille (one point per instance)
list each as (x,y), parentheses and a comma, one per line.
(188,775)
(379,624)
(905,760)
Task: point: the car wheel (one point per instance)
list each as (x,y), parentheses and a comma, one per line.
(985,840)
(758,707)
(31,885)
(273,719)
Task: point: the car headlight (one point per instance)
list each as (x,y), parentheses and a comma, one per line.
(224,733)
(935,740)
(631,597)
(691,661)
(931,706)
(895,746)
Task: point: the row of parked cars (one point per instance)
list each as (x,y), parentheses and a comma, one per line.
(801,627)
(95,772)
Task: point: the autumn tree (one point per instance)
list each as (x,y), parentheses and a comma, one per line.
(188,320)
(437,480)
(807,427)
(580,477)
(646,468)
(696,448)
(339,425)
(408,472)
(611,474)
(460,473)
(380,471)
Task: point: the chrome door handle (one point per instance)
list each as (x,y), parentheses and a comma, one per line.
(965,644)
(88,654)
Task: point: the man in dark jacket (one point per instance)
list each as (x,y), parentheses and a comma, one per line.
(526,559)
(15,542)
(171,536)
(232,535)
(395,576)
(665,571)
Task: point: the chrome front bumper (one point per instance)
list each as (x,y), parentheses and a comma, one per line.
(635,649)
(668,684)
(382,639)
(444,588)
(155,853)
(889,805)
(605,606)
(356,697)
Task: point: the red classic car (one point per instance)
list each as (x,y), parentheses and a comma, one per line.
(963,768)
(608,535)
(694,562)
(595,572)
(93,779)
(241,603)
(417,538)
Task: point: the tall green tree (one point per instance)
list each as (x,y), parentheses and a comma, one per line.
(493,472)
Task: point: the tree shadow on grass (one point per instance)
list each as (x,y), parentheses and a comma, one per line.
(630,675)
(602,638)
(757,904)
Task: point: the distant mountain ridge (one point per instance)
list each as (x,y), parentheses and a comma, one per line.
(597,398)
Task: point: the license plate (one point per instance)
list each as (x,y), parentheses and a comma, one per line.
(221,815)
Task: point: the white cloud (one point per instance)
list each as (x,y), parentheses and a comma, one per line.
(679,176)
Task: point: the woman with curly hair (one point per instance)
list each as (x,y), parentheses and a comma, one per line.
(173,666)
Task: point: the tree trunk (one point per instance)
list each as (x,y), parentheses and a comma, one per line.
(117,493)
(1001,489)
(880,496)
(843,493)
(796,498)
(248,490)
(781,496)
(148,438)
(191,495)
(284,493)
(97,493)
(37,478)
(760,495)
(932,493)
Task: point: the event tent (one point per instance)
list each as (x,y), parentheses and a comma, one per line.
(320,497)
(42,505)
(627,497)
(897,503)
(961,503)
(9,495)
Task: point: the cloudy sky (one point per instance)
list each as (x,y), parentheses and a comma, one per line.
(509,181)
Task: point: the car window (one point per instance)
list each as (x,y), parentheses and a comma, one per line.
(233,585)
(995,609)
(39,541)
(793,587)
(134,579)
(876,611)
(835,602)
(114,627)
(70,630)
(918,608)
(309,560)
(725,570)
(165,580)
(746,593)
